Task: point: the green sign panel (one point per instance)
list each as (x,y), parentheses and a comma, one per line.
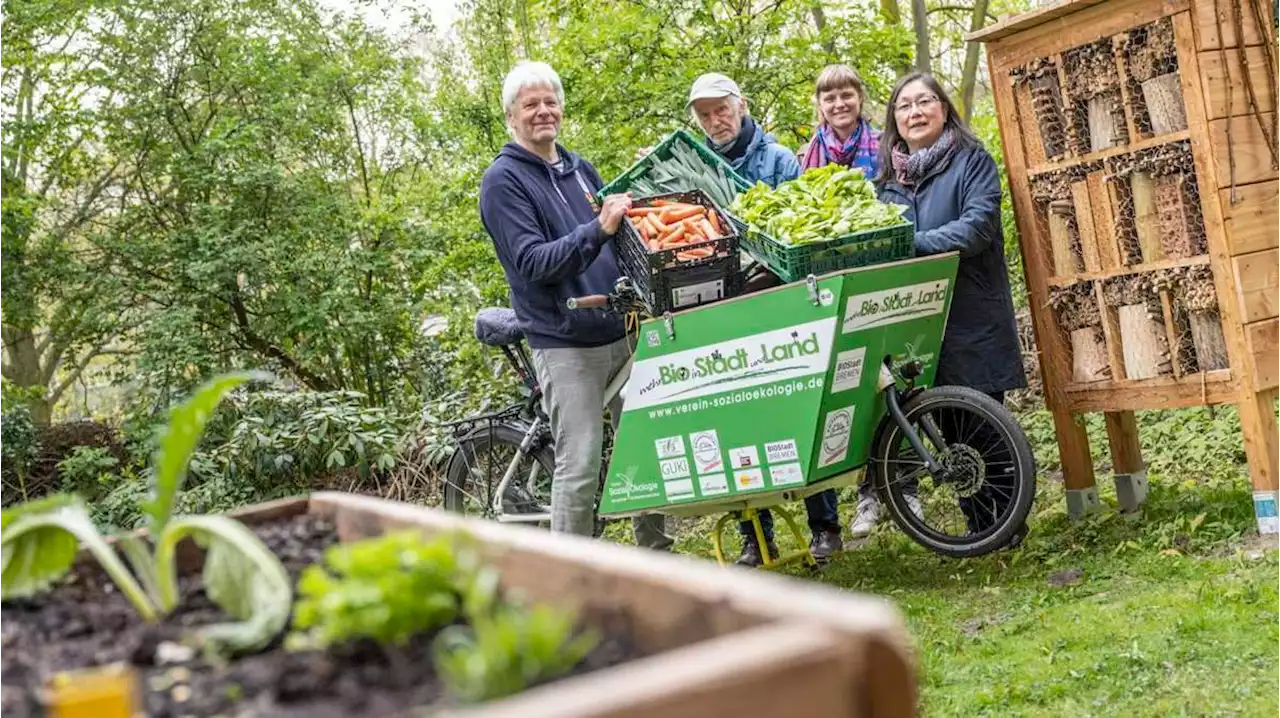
(773,390)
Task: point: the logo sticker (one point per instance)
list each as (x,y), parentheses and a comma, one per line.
(749,479)
(653,338)
(675,468)
(744,457)
(713,484)
(783,354)
(891,306)
(826,298)
(1264,508)
(706,451)
(779,451)
(835,436)
(786,474)
(623,487)
(678,490)
(849,369)
(670,446)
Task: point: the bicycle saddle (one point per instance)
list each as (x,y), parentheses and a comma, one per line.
(498,327)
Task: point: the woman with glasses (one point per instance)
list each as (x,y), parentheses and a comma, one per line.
(931,162)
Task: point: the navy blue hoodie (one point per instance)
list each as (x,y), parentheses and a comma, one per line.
(551,246)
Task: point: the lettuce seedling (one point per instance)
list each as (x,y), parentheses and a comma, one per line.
(508,650)
(39,542)
(389,589)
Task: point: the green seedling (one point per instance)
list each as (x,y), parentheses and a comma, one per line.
(389,589)
(39,542)
(508,650)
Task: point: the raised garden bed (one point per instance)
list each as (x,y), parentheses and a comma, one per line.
(677,635)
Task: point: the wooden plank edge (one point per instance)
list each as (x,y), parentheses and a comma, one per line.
(1027,20)
(778,669)
(750,593)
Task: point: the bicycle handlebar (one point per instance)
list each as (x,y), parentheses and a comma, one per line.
(593,301)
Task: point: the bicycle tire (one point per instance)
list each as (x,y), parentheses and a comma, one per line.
(457,477)
(893,495)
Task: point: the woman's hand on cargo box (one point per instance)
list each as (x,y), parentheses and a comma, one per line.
(612,211)
(641,153)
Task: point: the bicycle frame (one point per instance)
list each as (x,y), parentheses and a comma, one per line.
(615,388)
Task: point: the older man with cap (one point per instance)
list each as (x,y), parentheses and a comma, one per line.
(718,106)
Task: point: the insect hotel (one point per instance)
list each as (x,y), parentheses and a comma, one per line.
(1140,139)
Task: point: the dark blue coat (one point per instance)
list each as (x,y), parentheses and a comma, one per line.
(551,246)
(956,208)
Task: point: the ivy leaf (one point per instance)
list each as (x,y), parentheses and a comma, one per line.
(178,441)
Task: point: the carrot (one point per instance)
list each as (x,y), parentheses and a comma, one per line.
(659,203)
(714,217)
(674,235)
(641,228)
(692,254)
(655,224)
(653,245)
(642,211)
(708,230)
(684,213)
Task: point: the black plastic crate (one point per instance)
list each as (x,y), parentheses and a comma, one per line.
(669,283)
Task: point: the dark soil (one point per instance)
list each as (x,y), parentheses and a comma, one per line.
(86,622)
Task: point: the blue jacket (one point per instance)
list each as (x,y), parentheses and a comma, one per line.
(956,208)
(766,161)
(551,246)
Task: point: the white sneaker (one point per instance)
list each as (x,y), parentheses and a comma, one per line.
(869,514)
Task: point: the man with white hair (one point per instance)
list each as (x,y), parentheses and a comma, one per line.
(535,202)
(719,107)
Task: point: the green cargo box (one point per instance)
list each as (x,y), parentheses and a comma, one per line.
(859,249)
(771,391)
(662,152)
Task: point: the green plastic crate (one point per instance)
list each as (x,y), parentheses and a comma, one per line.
(662,151)
(793,263)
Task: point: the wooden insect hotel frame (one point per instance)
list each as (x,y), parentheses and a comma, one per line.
(1140,139)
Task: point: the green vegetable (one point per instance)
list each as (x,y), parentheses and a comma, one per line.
(821,205)
(388,589)
(39,542)
(683,171)
(508,651)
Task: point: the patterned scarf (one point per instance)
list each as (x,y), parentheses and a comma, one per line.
(859,151)
(911,167)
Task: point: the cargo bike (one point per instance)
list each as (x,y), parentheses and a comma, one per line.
(733,404)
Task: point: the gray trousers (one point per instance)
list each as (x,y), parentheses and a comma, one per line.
(573,382)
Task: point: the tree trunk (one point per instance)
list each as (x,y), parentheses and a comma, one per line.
(1089,355)
(969,75)
(920,22)
(1211,345)
(1142,339)
(820,22)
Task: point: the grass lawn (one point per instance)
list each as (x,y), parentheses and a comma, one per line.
(1172,614)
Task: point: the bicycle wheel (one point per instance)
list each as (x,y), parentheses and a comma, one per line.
(984,501)
(478,465)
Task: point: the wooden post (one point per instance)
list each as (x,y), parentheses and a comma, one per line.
(1102,122)
(1211,345)
(1077,465)
(1129,469)
(1064,259)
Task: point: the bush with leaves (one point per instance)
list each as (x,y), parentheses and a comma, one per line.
(19,445)
(271,436)
(86,469)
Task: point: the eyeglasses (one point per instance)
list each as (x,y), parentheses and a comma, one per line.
(924,102)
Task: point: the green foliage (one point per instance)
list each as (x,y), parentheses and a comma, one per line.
(271,436)
(821,204)
(504,653)
(241,575)
(387,589)
(86,468)
(19,445)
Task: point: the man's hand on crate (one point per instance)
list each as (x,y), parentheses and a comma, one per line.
(612,211)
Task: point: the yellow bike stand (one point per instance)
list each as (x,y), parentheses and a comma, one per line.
(770,562)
